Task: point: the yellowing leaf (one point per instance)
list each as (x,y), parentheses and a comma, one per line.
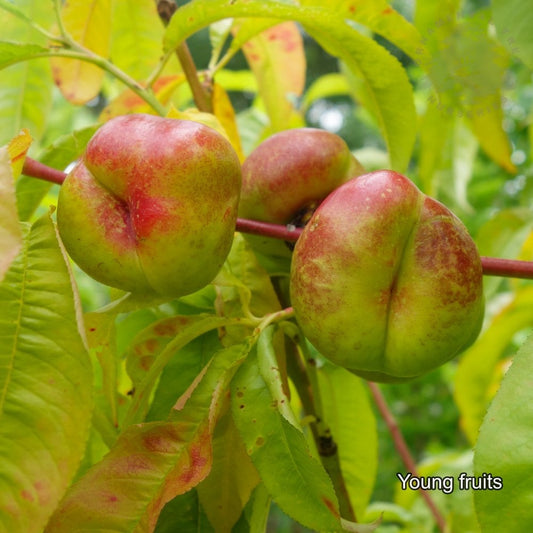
(226,115)
(89,24)
(10,234)
(277,59)
(137,37)
(17,149)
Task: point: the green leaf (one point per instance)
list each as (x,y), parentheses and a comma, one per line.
(26,88)
(295,479)
(382,19)
(45,383)
(475,373)
(504,450)
(435,129)
(349,415)
(255,515)
(328,85)
(384,85)
(149,342)
(503,236)
(180,372)
(184,514)
(140,403)
(227,488)
(513,20)
(152,463)
(468,70)
(10,234)
(137,33)
(11,53)
(243,288)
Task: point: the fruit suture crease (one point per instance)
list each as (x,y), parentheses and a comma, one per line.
(447,484)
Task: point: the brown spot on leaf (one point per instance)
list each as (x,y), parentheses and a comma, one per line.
(331,506)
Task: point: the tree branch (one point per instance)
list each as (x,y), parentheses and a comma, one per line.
(403,450)
(492,266)
(201,95)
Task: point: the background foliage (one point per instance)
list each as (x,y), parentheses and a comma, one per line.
(438,90)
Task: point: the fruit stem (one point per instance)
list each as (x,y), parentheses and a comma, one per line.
(492,266)
(403,450)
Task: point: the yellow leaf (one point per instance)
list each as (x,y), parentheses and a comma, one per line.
(17,150)
(226,115)
(89,24)
(10,233)
(277,59)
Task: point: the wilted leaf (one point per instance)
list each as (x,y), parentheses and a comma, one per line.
(46,379)
(504,450)
(89,24)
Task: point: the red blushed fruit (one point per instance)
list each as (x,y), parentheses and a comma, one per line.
(288,175)
(152,205)
(386,281)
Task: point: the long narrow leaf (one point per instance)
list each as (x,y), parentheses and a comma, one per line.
(387,91)
(45,383)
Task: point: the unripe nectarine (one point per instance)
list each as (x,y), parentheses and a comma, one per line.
(386,281)
(289,173)
(152,205)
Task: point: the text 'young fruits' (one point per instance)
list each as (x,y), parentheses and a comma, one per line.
(386,281)
(152,205)
(289,174)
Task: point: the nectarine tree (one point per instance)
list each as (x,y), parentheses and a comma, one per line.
(200,300)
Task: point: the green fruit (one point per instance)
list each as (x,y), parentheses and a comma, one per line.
(288,175)
(152,205)
(386,281)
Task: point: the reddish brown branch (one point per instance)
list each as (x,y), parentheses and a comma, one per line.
(403,450)
(492,266)
(276,231)
(35,169)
